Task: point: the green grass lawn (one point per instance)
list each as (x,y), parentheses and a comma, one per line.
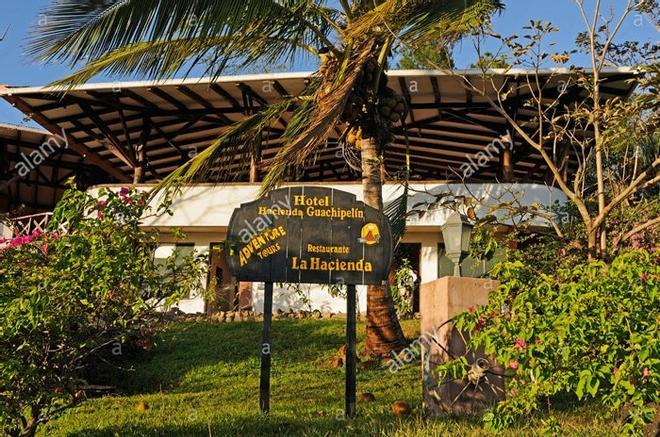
(203,379)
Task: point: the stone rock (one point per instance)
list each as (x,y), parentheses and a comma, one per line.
(231,316)
(218,317)
(317,314)
(175,312)
(366,397)
(327,315)
(401,408)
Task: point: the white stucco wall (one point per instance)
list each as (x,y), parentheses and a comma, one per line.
(5,231)
(203,212)
(207,206)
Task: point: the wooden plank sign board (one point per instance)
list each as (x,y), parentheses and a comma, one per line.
(312,235)
(309,235)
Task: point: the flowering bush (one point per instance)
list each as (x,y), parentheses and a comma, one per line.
(590,330)
(75,291)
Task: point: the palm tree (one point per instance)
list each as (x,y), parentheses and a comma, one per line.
(354,39)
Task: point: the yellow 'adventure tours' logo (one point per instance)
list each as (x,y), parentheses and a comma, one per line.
(370,234)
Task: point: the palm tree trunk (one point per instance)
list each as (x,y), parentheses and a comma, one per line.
(384,334)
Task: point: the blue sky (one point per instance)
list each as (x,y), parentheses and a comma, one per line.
(20,15)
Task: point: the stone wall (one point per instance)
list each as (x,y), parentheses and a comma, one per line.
(440,300)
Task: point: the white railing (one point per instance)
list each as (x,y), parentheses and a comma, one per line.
(27,224)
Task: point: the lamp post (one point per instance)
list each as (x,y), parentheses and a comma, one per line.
(456,233)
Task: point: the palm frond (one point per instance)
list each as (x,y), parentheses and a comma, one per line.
(230,150)
(163,59)
(323,116)
(414,20)
(75,31)
(397,212)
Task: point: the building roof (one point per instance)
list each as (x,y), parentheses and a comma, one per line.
(34,168)
(446,126)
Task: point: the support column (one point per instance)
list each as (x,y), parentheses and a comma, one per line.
(440,300)
(506,165)
(138,172)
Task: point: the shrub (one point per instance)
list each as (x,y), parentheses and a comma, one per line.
(589,330)
(402,290)
(80,288)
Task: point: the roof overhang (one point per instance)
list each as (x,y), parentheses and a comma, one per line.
(35,166)
(447,125)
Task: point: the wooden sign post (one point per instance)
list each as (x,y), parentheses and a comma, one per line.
(264,383)
(313,235)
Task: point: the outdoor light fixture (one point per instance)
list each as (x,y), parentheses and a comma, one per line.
(456,233)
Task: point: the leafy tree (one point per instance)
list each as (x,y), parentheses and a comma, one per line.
(353,42)
(74,294)
(588,329)
(489,60)
(418,59)
(613,140)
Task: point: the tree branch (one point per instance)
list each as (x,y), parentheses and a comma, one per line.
(635,230)
(634,186)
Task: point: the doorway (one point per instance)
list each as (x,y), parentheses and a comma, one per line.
(412,253)
(222,288)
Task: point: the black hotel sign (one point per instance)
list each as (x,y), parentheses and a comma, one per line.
(309,235)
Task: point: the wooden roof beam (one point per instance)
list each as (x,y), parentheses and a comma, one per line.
(82,150)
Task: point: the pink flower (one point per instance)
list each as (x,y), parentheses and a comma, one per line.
(644,276)
(127,200)
(481,323)
(20,240)
(615,370)
(520,344)
(140,202)
(513,364)
(123,192)
(36,233)
(101,204)
(99,214)
(44,248)
(55,235)
(646,373)
(470,309)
